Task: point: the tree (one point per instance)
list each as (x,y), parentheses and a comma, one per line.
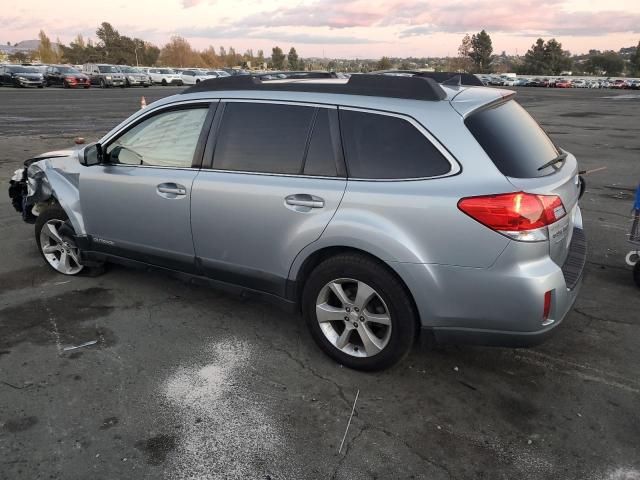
(293,60)
(46,51)
(481,50)
(556,59)
(635,62)
(607,63)
(277,58)
(462,63)
(384,64)
(260,58)
(534,59)
(178,53)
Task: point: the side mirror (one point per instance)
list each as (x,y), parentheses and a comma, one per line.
(92,155)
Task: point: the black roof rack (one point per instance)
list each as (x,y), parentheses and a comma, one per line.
(412,88)
(447,78)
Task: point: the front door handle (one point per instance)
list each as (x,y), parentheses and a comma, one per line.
(171,190)
(304,200)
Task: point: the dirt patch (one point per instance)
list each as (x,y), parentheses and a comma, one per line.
(60,319)
(25,278)
(15,425)
(157,448)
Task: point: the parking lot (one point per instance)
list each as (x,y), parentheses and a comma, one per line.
(189,382)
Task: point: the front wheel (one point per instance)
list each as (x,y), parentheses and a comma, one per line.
(359,312)
(103,84)
(164,82)
(636,273)
(54,236)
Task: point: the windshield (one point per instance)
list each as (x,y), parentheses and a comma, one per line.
(107,69)
(128,70)
(166,71)
(513,139)
(67,70)
(23,70)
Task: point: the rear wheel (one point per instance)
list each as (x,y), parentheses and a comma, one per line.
(164,82)
(359,313)
(636,273)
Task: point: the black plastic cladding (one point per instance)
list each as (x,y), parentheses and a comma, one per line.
(410,88)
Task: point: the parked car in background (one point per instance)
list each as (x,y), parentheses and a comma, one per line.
(65,76)
(634,84)
(191,77)
(520,82)
(220,73)
(562,83)
(165,76)
(19,76)
(135,77)
(104,75)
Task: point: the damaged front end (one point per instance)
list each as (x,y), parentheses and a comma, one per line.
(46,179)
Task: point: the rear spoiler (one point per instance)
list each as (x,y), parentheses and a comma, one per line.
(444,78)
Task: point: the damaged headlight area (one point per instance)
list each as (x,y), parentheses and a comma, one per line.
(29,187)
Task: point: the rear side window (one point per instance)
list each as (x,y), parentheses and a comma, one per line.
(513,140)
(262,137)
(324,146)
(385,147)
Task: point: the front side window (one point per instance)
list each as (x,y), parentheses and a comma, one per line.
(263,137)
(165,140)
(385,147)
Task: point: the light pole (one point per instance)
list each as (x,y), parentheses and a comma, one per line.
(136,51)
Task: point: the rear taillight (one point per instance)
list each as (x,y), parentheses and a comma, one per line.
(521,216)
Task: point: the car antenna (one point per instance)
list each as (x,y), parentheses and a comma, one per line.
(455,81)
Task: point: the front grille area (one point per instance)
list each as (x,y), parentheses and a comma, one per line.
(576,259)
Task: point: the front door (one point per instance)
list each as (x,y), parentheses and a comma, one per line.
(138,204)
(276,180)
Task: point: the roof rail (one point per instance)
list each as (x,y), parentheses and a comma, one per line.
(296,75)
(412,88)
(446,78)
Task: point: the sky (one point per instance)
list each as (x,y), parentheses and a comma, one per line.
(337,28)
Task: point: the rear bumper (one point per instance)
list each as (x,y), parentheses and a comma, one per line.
(501,305)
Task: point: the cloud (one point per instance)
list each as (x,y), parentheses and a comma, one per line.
(271,34)
(423,17)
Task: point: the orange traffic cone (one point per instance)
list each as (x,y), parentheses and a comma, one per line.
(143,102)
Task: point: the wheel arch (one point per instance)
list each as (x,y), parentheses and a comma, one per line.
(298,278)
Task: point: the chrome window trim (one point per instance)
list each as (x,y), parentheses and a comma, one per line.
(167,106)
(455,165)
(144,117)
(279,102)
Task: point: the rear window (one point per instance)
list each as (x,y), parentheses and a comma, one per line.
(513,140)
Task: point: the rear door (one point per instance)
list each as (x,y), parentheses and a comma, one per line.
(138,205)
(519,147)
(274,180)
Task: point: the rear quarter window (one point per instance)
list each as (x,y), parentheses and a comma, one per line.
(386,147)
(513,140)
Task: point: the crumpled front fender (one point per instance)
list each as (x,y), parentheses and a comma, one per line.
(59,177)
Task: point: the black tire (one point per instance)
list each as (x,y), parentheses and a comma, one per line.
(636,273)
(103,84)
(65,84)
(164,82)
(404,324)
(57,213)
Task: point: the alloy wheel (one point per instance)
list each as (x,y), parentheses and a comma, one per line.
(59,251)
(353,317)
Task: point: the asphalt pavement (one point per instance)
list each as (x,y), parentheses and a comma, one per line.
(189,382)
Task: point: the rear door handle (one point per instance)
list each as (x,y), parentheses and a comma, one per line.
(304,200)
(171,190)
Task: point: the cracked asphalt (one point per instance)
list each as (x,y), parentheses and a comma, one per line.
(189,382)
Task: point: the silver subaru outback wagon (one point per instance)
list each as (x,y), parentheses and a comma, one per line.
(379,207)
